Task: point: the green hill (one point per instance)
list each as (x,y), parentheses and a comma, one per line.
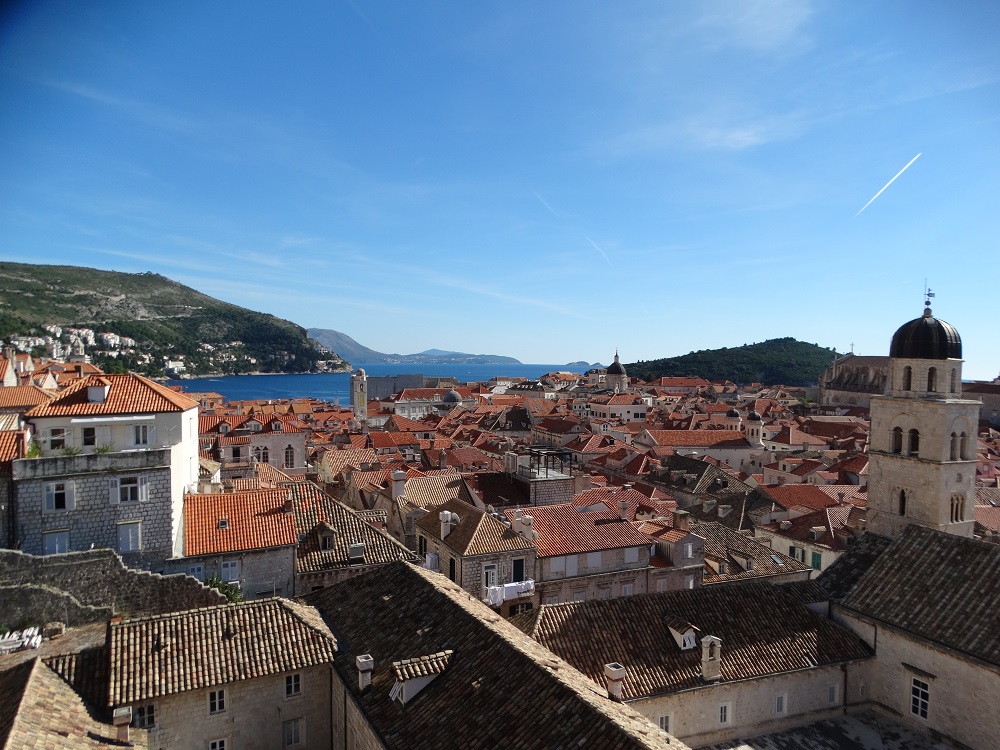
(777,361)
(166,319)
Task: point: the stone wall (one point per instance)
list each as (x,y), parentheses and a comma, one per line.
(95,514)
(92,583)
(30,604)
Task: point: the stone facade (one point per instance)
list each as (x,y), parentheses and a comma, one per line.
(93,511)
(255,716)
(269,571)
(603,574)
(728,711)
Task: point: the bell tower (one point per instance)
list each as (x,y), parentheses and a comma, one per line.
(922,456)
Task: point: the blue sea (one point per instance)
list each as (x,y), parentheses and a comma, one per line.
(336,387)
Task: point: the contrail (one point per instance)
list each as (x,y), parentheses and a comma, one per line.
(888,184)
(598,248)
(544,203)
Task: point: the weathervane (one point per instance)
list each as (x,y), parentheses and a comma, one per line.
(928,294)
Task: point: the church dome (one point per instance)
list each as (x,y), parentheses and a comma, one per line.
(615,368)
(926,338)
(734,413)
(754,417)
(452,397)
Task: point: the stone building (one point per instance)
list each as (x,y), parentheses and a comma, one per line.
(852,380)
(117,454)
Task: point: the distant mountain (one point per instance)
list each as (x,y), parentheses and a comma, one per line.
(166,319)
(773,362)
(358,355)
(581,365)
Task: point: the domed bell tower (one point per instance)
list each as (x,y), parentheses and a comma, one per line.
(922,456)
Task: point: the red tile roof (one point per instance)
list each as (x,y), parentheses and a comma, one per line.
(253,520)
(127,394)
(564,530)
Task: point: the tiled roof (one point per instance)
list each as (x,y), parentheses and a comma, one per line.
(805,495)
(843,575)
(335,462)
(11,447)
(772,634)
(128,394)
(564,530)
(157,656)
(699,438)
(499,684)
(477,532)
(422,666)
(432,491)
(314,512)
(236,521)
(24,396)
(938,586)
(724,544)
(40,711)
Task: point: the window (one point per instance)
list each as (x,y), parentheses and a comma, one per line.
(140,434)
(689,582)
(326,542)
(955,447)
(265,457)
(292,731)
(90,438)
(627,589)
(517,609)
(237,453)
(817,560)
(593,559)
(957,508)
(665,723)
(902,502)
(907,378)
(954,380)
(422,545)
(217,745)
(914,442)
(57,438)
(129,536)
(289,457)
(145,717)
(688,550)
(920,695)
(518,572)
(579,596)
(451,568)
(779,705)
(216,701)
(59,496)
(128,489)
(558,565)
(724,714)
(897,439)
(293,685)
(197,571)
(55,542)
(230,570)
(932,379)
(631,554)
(832,694)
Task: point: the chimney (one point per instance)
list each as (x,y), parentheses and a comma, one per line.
(517,521)
(681,519)
(623,509)
(615,673)
(398,483)
(288,504)
(526,531)
(711,658)
(365,665)
(448,520)
(840,498)
(805,445)
(442,460)
(121,719)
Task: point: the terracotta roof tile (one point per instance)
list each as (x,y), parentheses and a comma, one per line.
(128,394)
(230,522)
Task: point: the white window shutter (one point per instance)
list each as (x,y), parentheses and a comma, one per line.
(152,435)
(113,490)
(70,496)
(143,488)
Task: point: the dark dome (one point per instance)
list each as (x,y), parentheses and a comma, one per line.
(615,368)
(926,338)
(452,397)
(754,417)
(734,412)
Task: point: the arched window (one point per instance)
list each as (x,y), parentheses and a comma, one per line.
(897,439)
(902,502)
(966,452)
(957,508)
(954,380)
(955,447)
(289,457)
(932,380)
(907,378)
(914,442)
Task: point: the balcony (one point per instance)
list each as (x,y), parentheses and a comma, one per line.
(90,463)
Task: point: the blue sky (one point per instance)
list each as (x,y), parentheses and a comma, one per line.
(551,181)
